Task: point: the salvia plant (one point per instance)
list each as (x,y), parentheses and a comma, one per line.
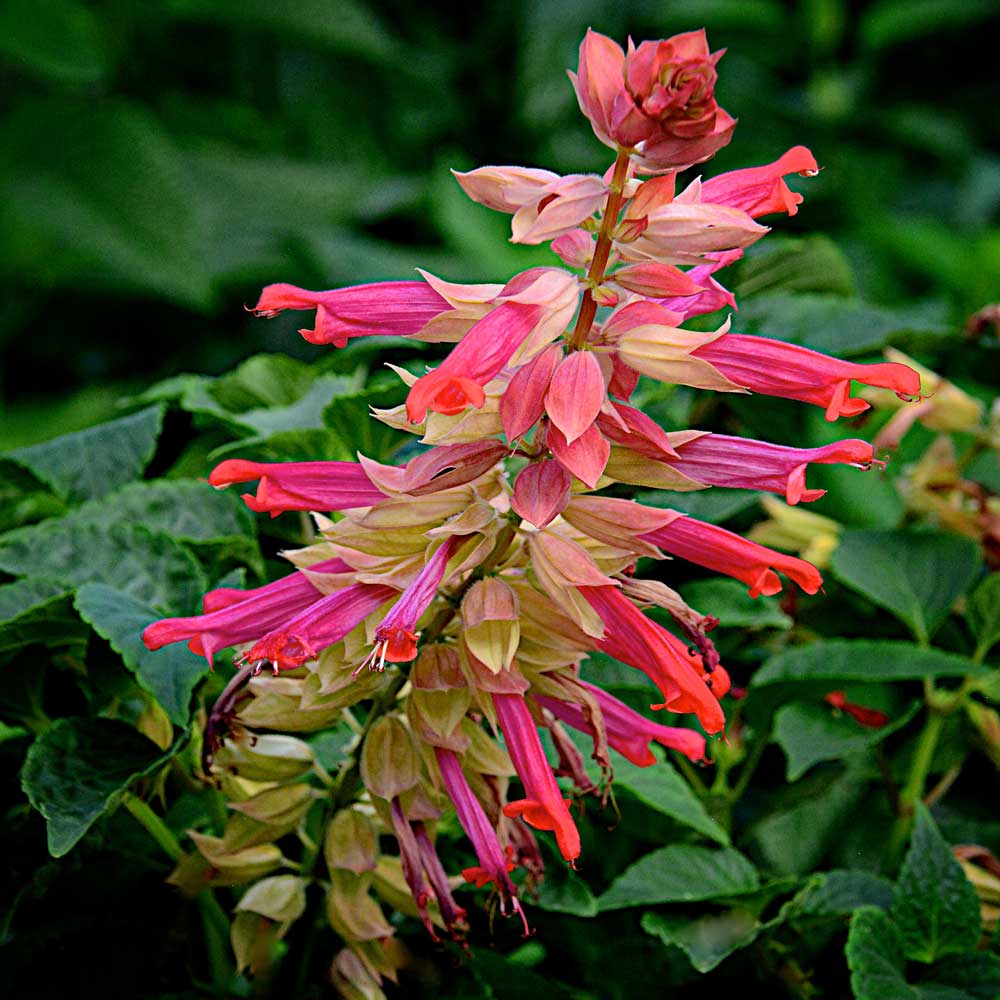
(455,616)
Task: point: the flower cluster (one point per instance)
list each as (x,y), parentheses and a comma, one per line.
(491,564)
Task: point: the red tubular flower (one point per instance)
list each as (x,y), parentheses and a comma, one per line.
(628,732)
(725,552)
(762,190)
(478,357)
(743,463)
(226,597)
(774,368)
(494,864)
(395,639)
(713,295)
(383,309)
(240,620)
(870,718)
(288,486)
(544,808)
(680,676)
(409,855)
(321,624)
(453,915)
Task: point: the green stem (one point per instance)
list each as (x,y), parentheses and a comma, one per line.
(685,767)
(750,765)
(153,825)
(602,251)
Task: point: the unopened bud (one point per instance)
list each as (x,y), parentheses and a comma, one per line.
(437,668)
(389,762)
(436,716)
(287,804)
(351,842)
(265,758)
(492,628)
(281,898)
(352,912)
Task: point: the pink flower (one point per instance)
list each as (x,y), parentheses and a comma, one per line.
(299,485)
(743,463)
(628,732)
(231,620)
(775,368)
(658,99)
(544,204)
(762,190)
(544,806)
(321,624)
(395,638)
(479,357)
(494,864)
(383,309)
(725,552)
(712,296)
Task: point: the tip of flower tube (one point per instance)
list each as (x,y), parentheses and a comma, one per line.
(235,470)
(281,650)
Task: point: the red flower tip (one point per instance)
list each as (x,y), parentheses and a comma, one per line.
(870,718)
(443,393)
(281,650)
(235,470)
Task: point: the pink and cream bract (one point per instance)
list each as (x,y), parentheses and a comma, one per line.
(475,578)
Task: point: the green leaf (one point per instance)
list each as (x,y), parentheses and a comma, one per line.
(935,906)
(862,660)
(812,264)
(36,611)
(76,771)
(170,675)
(983,613)
(706,940)
(916,576)
(152,568)
(94,462)
(977,974)
(566,893)
(895,22)
(349,417)
(810,733)
(661,788)
(835,325)
(260,382)
(842,891)
(731,603)
(306,412)
(681,873)
(60,40)
(875,957)
(805,822)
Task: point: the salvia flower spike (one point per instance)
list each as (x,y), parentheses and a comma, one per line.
(483,561)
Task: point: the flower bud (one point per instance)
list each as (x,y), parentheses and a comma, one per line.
(281,898)
(352,912)
(350,842)
(492,629)
(389,762)
(278,806)
(265,758)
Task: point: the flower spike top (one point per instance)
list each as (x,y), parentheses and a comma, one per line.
(475,578)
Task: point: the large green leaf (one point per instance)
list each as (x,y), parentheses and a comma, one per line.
(983,612)
(152,568)
(36,611)
(841,891)
(661,788)
(566,892)
(681,873)
(916,576)
(804,823)
(77,770)
(861,660)
(811,733)
(875,957)
(708,939)
(935,906)
(96,461)
(716,505)
(170,675)
(974,974)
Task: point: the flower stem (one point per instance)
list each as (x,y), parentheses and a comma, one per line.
(602,251)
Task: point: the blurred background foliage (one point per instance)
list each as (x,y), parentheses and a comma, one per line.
(164,160)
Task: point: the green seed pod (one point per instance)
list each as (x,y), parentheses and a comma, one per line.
(350,842)
(389,761)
